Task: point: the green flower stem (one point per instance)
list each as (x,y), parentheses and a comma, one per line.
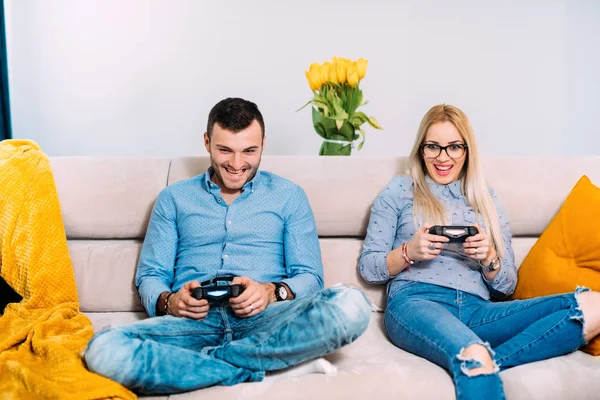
(335,149)
(327,128)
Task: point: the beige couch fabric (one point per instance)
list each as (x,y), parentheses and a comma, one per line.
(106,203)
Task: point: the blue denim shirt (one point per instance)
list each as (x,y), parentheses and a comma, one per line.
(391,224)
(267,233)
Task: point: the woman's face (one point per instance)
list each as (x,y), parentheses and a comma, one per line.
(445,167)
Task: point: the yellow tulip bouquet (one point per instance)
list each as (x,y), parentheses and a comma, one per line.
(336,98)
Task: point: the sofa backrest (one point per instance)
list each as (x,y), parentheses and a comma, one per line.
(106,204)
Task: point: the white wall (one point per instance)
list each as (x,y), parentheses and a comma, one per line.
(138,77)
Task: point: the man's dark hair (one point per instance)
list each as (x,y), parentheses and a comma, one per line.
(234,114)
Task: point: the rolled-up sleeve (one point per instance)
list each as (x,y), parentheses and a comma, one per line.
(301,245)
(504,283)
(381,233)
(155,269)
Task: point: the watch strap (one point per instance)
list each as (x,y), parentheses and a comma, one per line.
(494,265)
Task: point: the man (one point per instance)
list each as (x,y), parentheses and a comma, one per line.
(232,220)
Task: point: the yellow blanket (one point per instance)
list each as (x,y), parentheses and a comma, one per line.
(42,336)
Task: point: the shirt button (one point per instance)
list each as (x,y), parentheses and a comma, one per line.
(225,257)
(229,222)
(218,200)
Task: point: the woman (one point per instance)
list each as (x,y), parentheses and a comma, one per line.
(438,304)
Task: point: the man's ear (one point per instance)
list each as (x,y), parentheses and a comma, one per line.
(207,142)
(263,142)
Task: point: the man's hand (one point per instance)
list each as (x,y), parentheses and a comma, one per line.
(254,299)
(182,304)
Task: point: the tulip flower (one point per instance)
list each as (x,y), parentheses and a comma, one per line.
(340,71)
(361,67)
(313,75)
(333,74)
(352,74)
(326,72)
(336,98)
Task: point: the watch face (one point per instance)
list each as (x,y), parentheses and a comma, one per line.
(494,265)
(282,292)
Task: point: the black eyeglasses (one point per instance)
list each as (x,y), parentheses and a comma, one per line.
(454,150)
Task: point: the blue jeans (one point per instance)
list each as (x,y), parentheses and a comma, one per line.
(438,323)
(169,355)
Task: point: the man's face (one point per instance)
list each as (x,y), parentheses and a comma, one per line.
(235,157)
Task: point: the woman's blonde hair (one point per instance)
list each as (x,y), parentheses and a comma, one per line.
(474,187)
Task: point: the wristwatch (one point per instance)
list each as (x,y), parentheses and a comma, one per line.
(281,292)
(494,265)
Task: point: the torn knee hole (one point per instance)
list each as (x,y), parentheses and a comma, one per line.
(580,297)
(477,359)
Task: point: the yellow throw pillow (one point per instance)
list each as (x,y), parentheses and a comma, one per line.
(567,254)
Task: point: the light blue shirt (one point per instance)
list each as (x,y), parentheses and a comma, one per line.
(391,224)
(267,233)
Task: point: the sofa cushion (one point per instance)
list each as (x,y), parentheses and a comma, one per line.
(102,320)
(108,197)
(532,189)
(341,190)
(373,368)
(105,272)
(567,253)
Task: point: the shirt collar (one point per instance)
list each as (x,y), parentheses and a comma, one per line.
(455,187)
(210,186)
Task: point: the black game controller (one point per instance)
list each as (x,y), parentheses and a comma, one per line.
(217,289)
(456,234)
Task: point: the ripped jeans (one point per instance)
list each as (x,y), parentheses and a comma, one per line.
(438,323)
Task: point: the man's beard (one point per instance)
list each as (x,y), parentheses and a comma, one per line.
(217,171)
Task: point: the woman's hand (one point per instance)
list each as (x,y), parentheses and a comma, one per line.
(479,247)
(424,245)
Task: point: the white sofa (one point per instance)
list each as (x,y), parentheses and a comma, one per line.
(106,203)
